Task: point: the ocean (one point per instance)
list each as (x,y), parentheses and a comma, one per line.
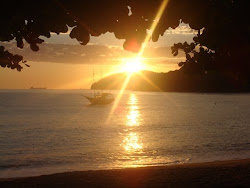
(51,131)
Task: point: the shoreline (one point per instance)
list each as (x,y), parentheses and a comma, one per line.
(131,90)
(231,173)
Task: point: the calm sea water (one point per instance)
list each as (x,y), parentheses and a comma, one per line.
(48,131)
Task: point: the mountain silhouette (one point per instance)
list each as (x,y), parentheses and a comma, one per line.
(175,81)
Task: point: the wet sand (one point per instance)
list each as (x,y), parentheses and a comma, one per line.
(233,173)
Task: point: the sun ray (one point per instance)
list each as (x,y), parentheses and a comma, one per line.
(139,56)
(132,65)
(153,26)
(149,81)
(148,36)
(118,98)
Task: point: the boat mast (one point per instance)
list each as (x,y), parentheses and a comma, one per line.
(94,79)
(101,79)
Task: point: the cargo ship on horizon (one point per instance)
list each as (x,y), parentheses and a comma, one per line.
(37,87)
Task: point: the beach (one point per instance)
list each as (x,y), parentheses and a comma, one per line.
(231,173)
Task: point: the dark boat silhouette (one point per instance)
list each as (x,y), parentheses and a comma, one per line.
(102,98)
(37,87)
(99,98)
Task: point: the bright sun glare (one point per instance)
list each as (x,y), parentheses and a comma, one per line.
(132,65)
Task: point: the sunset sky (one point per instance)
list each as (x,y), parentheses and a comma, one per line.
(62,63)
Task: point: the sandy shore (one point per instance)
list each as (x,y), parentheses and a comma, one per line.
(234,173)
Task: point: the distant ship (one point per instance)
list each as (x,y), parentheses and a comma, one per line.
(37,87)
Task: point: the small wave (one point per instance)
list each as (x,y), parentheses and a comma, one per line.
(2,167)
(32,164)
(162,163)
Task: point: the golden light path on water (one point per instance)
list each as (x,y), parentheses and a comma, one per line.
(139,56)
(132,142)
(136,151)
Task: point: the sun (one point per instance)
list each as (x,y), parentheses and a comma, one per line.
(132,65)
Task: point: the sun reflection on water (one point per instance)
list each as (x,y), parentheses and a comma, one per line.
(134,148)
(133,116)
(132,141)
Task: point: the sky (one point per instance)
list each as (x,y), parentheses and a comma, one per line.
(62,63)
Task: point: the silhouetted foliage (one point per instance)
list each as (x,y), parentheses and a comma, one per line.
(221,43)
(9,60)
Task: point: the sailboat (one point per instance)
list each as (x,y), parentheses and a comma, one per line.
(100,98)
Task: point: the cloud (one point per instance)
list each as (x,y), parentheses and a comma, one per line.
(89,54)
(181,30)
(165,60)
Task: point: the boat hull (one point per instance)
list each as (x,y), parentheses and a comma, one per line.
(99,100)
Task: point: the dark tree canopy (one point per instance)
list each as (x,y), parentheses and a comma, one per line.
(223,28)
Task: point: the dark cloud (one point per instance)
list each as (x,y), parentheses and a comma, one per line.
(89,54)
